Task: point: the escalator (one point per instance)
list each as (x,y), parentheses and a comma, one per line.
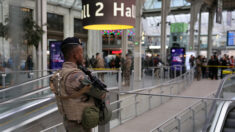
(229,124)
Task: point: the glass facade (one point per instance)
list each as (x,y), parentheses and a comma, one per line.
(78,26)
(55,22)
(157,4)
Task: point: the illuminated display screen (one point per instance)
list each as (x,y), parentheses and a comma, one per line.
(56,57)
(177,57)
(231,38)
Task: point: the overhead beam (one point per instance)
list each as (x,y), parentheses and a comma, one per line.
(174,11)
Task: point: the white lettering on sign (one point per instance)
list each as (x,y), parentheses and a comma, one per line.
(133,11)
(84,11)
(116,9)
(128,12)
(101,7)
(88,10)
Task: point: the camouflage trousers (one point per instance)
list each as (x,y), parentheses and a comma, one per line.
(127,77)
(73,126)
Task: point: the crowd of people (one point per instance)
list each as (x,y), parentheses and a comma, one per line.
(124,63)
(210,68)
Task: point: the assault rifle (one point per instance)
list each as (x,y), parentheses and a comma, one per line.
(95,81)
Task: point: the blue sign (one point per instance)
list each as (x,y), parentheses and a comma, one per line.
(231,38)
(56,56)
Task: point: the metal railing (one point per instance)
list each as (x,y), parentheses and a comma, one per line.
(131,106)
(191,118)
(10,78)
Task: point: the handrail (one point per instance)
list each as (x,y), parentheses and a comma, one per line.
(182,111)
(213,108)
(25,83)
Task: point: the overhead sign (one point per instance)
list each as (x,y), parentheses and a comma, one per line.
(108,14)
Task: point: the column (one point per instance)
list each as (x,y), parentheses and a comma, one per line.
(68,24)
(164,12)
(44,36)
(41,19)
(94,44)
(39,22)
(137,48)
(124,43)
(210,27)
(199,33)
(195,8)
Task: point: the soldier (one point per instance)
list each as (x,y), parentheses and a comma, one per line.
(127,69)
(72,95)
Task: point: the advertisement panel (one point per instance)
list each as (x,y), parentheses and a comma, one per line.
(177,57)
(56,57)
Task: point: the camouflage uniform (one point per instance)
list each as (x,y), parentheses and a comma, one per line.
(100,64)
(127,70)
(70,96)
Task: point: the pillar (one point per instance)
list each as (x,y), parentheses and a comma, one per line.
(199,33)
(137,47)
(195,8)
(210,27)
(41,19)
(164,12)
(94,44)
(68,24)
(124,43)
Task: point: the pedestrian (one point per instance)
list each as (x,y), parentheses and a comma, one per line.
(191,61)
(199,67)
(204,68)
(92,61)
(29,64)
(127,69)
(223,63)
(100,64)
(73,96)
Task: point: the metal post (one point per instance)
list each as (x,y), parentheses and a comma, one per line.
(179,124)
(120,113)
(205,107)
(4,80)
(161,96)
(152,76)
(193,119)
(119,79)
(149,99)
(132,80)
(143,77)
(161,74)
(136,112)
(169,73)
(174,72)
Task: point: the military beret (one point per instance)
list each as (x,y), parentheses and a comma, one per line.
(70,41)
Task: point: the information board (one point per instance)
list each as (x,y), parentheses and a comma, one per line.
(231,38)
